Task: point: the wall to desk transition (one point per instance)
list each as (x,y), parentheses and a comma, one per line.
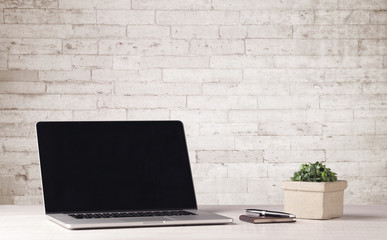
(262,86)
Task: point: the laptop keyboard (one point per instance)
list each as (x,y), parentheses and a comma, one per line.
(130,214)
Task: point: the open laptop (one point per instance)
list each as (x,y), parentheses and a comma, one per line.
(118,174)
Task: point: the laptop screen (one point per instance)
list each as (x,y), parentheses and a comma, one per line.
(114,166)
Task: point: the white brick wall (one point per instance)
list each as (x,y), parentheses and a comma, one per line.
(262,86)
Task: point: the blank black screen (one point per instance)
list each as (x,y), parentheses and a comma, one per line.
(105,166)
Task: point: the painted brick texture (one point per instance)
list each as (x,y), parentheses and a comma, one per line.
(262,86)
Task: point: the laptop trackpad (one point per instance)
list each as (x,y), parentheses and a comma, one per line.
(145,219)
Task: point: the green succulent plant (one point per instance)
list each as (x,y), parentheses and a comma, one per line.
(314,172)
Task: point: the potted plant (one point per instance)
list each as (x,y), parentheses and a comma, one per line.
(314,193)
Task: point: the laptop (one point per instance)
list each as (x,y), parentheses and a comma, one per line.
(118,174)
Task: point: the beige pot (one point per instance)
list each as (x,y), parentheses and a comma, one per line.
(314,200)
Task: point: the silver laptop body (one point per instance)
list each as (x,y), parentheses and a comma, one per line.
(118,174)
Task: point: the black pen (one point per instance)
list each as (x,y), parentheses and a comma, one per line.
(268,213)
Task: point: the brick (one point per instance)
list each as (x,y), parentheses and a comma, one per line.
(3,60)
(269,31)
(189,32)
(233,32)
(171,4)
(210,142)
(147,75)
(352,102)
(92,61)
(229,156)
(79,88)
(18,3)
(338,142)
(232,129)
(337,17)
(46,3)
(18,144)
(262,142)
(94,4)
(355,155)
(16,160)
(277,17)
(242,198)
(98,31)
(223,185)
(328,62)
(339,31)
(296,116)
(29,200)
(283,75)
(147,114)
(126,62)
(373,47)
(221,102)
(1,16)
(35,31)
(217,47)
(31,46)
(22,87)
(191,129)
(12,187)
(33,116)
(289,129)
(282,170)
(288,102)
(39,62)
(355,128)
(355,75)
(132,88)
(208,170)
(245,88)
(325,88)
(141,102)
(9,101)
(379,17)
(202,116)
(197,17)
(148,32)
(54,102)
(174,62)
(14,130)
(373,169)
(375,88)
(73,75)
(18,76)
(202,75)
(80,46)
(255,17)
(33,172)
(49,16)
(248,170)
(125,17)
(301,47)
(362,4)
(381,127)
(268,4)
(100,114)
(370,114)
(144,47)
(240,62)
(290,156)
(201,198)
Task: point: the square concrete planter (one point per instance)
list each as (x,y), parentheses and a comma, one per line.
(314,200)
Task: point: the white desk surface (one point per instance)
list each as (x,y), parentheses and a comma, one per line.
(358,222)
